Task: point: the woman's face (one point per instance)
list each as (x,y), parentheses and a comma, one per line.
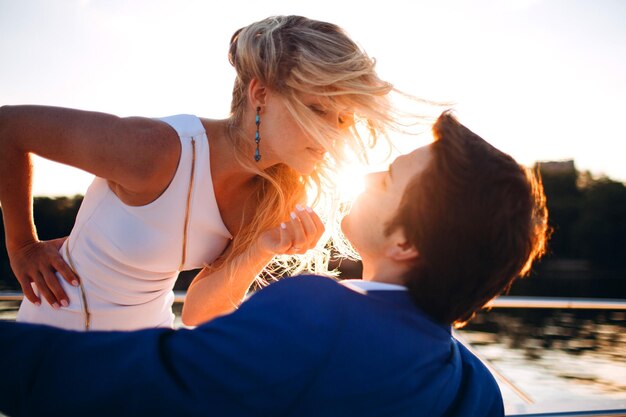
(284,141)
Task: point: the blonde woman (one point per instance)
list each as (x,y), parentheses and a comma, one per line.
(184,192)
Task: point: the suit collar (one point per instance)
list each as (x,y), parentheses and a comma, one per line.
(364,287)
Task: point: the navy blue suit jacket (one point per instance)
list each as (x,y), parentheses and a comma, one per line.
(304,346)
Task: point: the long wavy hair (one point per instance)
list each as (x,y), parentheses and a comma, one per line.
(294,55)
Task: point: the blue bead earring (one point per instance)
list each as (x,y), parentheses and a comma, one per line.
(257,137)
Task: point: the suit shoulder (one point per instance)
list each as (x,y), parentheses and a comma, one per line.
(309,282)
(305,285)
(305,293)
(480,384)
(478,369)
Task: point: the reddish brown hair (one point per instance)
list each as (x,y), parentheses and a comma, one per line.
(478,220)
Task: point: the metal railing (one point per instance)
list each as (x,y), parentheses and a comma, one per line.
(593,413)
(509,301)
(504,301)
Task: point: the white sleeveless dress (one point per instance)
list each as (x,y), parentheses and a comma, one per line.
(128,258)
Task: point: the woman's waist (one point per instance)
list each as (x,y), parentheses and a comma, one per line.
(104,314)
(109,295)
(130,311)
(97,260)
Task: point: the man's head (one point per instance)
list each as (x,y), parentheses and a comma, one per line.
(456,222)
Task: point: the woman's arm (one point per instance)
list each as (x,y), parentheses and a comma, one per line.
(212,294)
(137,155)
(220,292)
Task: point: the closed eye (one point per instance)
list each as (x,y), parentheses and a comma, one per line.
(318,110)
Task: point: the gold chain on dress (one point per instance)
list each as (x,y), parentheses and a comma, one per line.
(83,296)
(183,257)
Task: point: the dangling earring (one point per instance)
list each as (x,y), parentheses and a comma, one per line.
(257,137)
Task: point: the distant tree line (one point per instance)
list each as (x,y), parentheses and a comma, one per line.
(587,215)
(588,218)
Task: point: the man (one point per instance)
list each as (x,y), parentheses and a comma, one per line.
(446,229)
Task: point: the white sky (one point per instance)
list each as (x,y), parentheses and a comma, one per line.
(539,79)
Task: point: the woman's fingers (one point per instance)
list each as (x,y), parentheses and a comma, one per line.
(306,228)
(307,221)
(313,225)
(292,235)
(285,238)
(60,298)
(57,243)
(37,263)
(27,289)
(59,264)
(296,235)
(299,242)
(47,294)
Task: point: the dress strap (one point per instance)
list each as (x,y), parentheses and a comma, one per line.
(186,125)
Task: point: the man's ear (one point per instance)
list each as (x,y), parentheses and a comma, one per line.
(399,249)
(257,93)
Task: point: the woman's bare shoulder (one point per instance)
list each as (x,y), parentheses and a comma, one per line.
(154,151)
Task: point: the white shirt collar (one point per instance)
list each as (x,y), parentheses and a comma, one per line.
(363,287)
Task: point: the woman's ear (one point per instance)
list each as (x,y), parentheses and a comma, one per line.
(257,93)
(399,249)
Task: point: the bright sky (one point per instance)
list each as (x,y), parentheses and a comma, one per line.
(539,79)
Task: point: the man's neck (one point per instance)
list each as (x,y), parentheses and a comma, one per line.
(383,270)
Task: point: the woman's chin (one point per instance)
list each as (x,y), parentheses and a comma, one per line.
(306,168)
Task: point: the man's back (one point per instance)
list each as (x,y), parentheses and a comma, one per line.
(304,346)
(381,356)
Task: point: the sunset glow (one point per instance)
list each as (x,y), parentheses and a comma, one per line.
(351,182)
(541,80)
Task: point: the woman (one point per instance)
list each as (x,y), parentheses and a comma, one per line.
(183,192)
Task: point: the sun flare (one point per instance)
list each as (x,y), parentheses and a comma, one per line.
(351,182)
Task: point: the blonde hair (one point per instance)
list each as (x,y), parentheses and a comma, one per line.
(294,55)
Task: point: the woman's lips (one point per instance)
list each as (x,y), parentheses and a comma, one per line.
(319,153)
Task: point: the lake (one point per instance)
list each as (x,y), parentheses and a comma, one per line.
(560,358)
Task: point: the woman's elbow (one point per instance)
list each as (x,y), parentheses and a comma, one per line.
(13,121)
(4,109)
(191,316)
(188,317)
(4,117)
